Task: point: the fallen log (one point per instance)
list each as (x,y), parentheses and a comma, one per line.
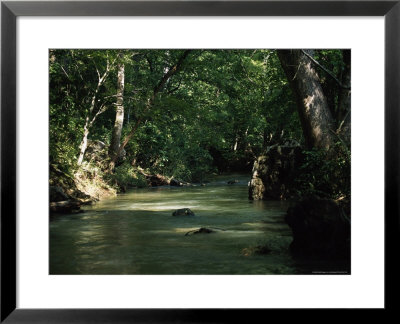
(156,180)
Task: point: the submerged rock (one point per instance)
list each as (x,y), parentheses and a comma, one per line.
(232,181)
(201,230)
(259,249)
(183,212)
(320,228)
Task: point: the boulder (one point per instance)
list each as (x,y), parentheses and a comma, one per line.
(79,195)
(61,202)
(97,151)
(274,172)
(320,228)
(178,183)
(183,212)
(56,194)
(95,146)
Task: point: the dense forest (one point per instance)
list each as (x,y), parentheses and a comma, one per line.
(122,119)
(190,113)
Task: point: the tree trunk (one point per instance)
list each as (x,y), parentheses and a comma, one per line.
(315,116)
(90,120)
(170,72)
(83,145)
(119,116)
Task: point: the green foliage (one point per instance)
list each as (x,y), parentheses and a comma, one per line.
(325,174)
(172,152)
(333,61)
(219,112)
(73,82)
(192,164)
(126,176)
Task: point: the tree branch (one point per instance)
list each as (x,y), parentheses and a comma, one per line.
(65,72)
(326,70)
(176,88)
(173,70)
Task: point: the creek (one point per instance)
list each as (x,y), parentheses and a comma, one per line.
(135,233)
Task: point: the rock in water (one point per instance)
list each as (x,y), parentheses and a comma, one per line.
(175,183)
(178,183)
(201,230)
(274,172)
(233,181)
(320,228)
(183,212)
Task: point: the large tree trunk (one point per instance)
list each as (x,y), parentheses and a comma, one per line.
(119,116)
(315,116)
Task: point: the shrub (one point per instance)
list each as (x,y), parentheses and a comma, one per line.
(126,176)
(326,174)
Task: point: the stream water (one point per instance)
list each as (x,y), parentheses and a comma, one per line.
(135,233)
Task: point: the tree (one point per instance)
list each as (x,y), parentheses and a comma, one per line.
(119,115)
(192,115)
(344,103)
(169,72)
(315,116)
(323,102)
(92,112)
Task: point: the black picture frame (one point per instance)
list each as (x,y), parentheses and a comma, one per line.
(10,10)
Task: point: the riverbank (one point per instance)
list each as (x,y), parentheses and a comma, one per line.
(90,184)
(67,193)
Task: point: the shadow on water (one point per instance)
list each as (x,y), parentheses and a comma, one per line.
(135,233)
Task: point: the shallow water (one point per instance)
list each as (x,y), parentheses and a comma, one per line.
(135,233)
